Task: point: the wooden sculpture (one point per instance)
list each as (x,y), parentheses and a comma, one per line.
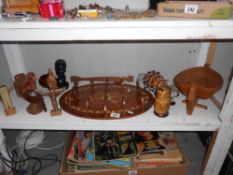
(6,100)
(105,98)
(52,84)
(60,68)
(156,83)
(24,82)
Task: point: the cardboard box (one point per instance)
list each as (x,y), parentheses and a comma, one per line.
(179,169)
(13,6)
(195,9)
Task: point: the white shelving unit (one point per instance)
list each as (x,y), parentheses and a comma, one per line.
(178,120)
(156,29)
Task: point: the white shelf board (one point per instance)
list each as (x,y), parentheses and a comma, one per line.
(156,28)
(178,120)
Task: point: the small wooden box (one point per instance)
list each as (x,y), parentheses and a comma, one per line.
(21,6)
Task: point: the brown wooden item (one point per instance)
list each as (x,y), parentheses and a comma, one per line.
(6,100)
(21,6)
(155,82)
(198,82)
(162,101)
(52,84)
(36,101)
(24,82)
(105,98)
(43,80)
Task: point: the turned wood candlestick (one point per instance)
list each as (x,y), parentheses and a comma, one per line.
(6,100)
(36,101)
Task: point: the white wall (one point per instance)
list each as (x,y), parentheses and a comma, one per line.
(133,4)
(223,63)
(5,75)
(112,59)
(223,58)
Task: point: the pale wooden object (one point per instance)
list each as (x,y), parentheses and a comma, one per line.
(6,100)
(52,84)
(210,54)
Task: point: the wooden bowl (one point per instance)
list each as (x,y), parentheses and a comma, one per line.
(206,80)
(198,82)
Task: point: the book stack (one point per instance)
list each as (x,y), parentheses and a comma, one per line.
(104,150)
(165,152)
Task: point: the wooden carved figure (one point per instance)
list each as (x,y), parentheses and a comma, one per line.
(6,100)
(60,68)
(155,82)
(52,84)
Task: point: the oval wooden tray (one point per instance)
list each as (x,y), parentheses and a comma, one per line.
(106,101)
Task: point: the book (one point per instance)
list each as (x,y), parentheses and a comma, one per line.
(106,146)
(152,164)
(126,142)
(90,166)
(172,156)
(148,142)
(168,139)
(73,151)
(82,147)
(119,163)
(172,153)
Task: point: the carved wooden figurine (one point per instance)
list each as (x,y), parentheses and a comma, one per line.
(155,82)
(52,84)
(6,100)
(60,68)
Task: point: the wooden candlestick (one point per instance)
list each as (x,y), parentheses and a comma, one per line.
(36,101)
(52,84)
(6,100)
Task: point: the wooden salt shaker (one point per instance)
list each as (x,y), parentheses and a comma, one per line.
(162,101)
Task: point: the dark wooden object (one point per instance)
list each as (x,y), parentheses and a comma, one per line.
(198,82)
(105,98)
(60,68)
(43,81)
(36,101)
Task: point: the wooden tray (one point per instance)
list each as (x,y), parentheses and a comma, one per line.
(106,101)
